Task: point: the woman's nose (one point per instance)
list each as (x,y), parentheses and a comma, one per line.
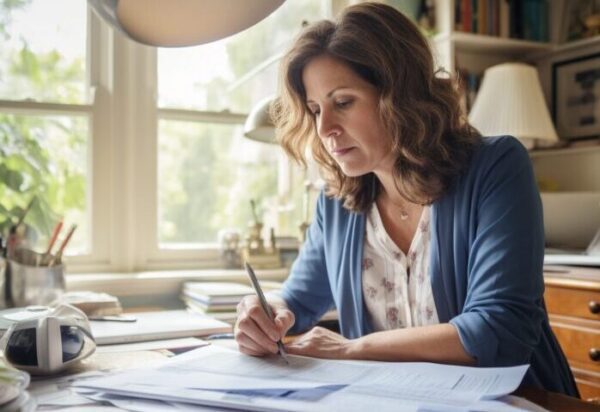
(328,126)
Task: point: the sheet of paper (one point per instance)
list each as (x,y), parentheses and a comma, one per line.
(147,405)
(216,376)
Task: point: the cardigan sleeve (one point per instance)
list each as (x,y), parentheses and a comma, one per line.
(307,291)
(501,320)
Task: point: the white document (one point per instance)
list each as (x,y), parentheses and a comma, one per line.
(155,326)
(222,377)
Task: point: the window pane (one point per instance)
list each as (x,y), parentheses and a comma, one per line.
(45,158)
(43,50)
(224,74)
(207,174)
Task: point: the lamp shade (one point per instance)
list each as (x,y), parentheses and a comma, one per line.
(510,101)
(175,23)
(259,125)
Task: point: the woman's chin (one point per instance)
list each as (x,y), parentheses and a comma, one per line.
(353,171)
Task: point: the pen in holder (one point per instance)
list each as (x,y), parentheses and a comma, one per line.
(32,280)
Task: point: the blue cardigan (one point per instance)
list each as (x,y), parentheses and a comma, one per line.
(486,259)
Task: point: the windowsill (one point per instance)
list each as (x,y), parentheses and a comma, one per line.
(160,282)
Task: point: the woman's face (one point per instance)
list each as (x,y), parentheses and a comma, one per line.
(346,114)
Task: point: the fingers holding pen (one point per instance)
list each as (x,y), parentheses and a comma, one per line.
(284,320)
(248,345)
(254,331)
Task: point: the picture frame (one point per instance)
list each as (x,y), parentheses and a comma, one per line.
(576,97)
(574,16)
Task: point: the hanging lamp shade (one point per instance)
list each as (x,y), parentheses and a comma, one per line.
(259,125)
(177,23)
(510,101)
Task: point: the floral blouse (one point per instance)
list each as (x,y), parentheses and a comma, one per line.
(396,287)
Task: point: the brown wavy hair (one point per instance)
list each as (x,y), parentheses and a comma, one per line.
(420,110)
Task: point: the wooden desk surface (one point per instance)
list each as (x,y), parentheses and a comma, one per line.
(556,401)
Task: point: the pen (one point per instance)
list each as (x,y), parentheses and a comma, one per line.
(219,336)
(265,306)
(114,318)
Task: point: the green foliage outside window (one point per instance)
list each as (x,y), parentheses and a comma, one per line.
(42,158)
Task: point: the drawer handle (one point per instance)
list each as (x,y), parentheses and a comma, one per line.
(594,307)
(594,354)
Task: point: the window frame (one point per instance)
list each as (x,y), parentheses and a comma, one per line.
(123,156)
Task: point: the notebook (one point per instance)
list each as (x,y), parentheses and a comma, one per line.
(157,325)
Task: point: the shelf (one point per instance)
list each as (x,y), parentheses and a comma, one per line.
(481,43)
(564,151)
(577,44)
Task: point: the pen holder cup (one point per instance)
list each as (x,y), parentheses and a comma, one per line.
(32,281)
(3,289)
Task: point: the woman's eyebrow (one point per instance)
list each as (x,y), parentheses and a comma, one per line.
(331,92)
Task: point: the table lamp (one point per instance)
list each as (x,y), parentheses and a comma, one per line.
(177,23)
(259,125)
(510,102)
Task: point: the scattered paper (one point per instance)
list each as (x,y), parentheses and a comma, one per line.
(216,376)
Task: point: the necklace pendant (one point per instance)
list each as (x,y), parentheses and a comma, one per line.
(403,215)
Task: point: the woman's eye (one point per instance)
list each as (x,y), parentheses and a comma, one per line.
(343,103)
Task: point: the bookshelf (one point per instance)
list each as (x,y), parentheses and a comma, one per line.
(470,54)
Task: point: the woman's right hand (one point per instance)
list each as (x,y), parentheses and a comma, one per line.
(255,333)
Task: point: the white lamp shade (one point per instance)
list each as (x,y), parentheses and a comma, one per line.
(259,125)
(175,23)
(510,101)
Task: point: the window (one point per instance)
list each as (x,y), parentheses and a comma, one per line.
(44,118)
(142,148)
(208,172)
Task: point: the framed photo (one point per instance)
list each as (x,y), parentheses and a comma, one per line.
(576,97)
(574,15)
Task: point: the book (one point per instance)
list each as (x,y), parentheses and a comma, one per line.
(220,299)
(157,325)
(229,316)
(216,293)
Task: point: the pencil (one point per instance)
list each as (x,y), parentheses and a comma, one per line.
(54,236)
(63,245)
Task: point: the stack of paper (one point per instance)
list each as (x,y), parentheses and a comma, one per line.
(219,299)
(219,377)
(13,396)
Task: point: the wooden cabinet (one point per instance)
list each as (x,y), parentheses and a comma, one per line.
(573,301)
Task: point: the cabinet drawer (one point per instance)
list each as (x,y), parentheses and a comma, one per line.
(573,302)
(588,384)
(578,339)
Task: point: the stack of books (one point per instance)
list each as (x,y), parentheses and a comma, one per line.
(219,299)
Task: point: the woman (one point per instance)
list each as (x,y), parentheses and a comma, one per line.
(429,238)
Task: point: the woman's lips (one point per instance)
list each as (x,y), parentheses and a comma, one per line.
(341,152)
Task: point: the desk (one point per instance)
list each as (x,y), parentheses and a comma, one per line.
(556,401)
(103,361)
(573,301)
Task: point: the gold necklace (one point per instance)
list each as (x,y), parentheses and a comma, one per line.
(403,212)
